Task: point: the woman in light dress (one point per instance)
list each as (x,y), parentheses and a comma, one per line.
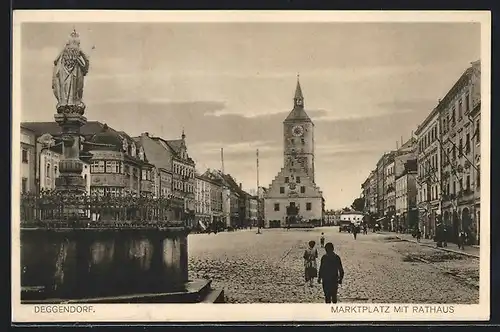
(310,265)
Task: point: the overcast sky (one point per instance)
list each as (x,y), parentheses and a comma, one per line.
(231,85)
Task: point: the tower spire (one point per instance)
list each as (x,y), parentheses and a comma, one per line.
(298,93)
(298,112)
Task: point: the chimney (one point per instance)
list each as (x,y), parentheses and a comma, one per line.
(240,185)
(145,134)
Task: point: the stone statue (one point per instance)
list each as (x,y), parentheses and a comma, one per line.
(70,67)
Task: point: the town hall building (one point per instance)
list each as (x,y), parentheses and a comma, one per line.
(293,198)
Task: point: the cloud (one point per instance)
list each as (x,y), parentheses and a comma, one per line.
(407,105)
(236,149)
(200,106)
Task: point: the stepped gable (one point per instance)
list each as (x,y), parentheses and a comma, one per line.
(279,181)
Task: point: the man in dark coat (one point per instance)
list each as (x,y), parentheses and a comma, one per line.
(331,273)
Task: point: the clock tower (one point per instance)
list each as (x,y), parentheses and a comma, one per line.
(293,199)
(298,135)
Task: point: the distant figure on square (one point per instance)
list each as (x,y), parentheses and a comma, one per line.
(322,240)
(310,265)
(330,274)
(418,234)
(462,238)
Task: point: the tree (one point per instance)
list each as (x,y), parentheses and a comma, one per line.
(358,204)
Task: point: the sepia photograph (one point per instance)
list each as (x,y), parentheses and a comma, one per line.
(271,159)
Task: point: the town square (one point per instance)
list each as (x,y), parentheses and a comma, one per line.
(250,163)
(380,268)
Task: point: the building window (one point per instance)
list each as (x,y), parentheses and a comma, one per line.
(478,127)
(55,172)
(112,167)
(97,166)
(454,153)
(302,141)
(24,185)
(478,178)
(286,179)
(25,156)
(282,190)
(276,206)
(460,148)
(460,109)
(454,188)
(467,183)
(47,171)
(467,143)
(298,179)
(467,103)
(302,189)
(308,206)
(453,119)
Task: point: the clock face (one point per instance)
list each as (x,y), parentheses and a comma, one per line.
(297,131)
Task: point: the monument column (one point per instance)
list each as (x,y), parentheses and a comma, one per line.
(70,68)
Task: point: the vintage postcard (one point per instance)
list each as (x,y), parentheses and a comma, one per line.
(250,166)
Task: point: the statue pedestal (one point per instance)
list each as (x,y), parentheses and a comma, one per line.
(106,265)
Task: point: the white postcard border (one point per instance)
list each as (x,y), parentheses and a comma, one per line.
(254,312)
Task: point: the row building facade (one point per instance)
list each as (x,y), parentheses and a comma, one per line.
(436,173)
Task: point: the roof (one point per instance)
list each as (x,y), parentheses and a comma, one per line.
(40,128)
(154,152)
(298,91)
(175,144)
(298,112)
(108,137)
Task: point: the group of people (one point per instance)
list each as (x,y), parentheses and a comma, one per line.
(357,228)
(331,272)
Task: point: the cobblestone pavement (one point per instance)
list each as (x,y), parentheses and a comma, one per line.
(379,268)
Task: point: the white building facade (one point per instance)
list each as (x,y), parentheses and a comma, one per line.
(203,210)
(293,196)
(429,173)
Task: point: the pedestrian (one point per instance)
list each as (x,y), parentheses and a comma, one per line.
(330,273)
(355,232)
(322,240)
(310,256)
(418,235)
(462,239)
(365,229)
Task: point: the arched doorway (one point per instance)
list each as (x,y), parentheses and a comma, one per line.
(466,220)
(446,217)
(455,226)
(292,212)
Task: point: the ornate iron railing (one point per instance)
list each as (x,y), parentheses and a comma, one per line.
(51,209)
